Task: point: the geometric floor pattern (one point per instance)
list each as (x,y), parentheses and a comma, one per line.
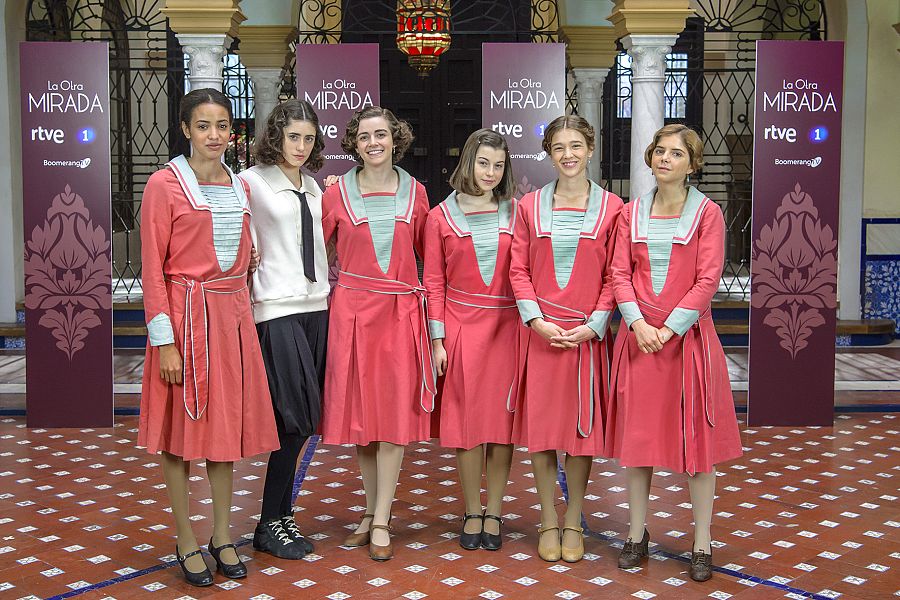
(807,512)
(858,368)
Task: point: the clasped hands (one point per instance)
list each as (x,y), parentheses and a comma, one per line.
(649,338)
(559,337)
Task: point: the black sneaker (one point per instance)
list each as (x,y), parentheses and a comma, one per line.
(290,525)
(272,538)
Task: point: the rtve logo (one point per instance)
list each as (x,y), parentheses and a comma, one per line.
(788,134)
(39,134)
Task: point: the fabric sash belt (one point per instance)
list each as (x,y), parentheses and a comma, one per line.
(586,350)
(479,300)
(696,360)
(195,348)
(378,285)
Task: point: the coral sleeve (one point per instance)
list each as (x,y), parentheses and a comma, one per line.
(435,273)
(622,268)
(156,231)
(419,219)
(520,263)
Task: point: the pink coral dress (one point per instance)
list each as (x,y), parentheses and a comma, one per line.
(223,411)
(562,392)
(671,408)
(380,381)
(474,311)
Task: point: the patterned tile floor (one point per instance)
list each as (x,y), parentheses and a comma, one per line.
(858,368)
(807,512)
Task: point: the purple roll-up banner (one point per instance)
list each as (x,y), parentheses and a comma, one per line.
(796,193)
(338,80)
(68,232)
(523,88)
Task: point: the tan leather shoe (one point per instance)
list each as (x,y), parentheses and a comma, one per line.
(355,540)
(381,553)
(551,549)
(573,554)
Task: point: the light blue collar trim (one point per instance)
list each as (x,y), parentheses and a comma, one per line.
(456,218)
(404,199)
(688,222)
(191,188)
(593,217)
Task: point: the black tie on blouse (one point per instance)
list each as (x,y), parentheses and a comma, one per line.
(306,237)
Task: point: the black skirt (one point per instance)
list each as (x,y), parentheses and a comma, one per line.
(293,350)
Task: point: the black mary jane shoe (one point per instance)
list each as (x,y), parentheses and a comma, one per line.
(470,541)
(290,525)
(202,579)
(236,571)
(489,541)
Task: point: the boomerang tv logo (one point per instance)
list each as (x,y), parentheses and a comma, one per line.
(808,162)
(81,164)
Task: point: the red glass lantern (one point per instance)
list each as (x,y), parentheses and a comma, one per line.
(423,32)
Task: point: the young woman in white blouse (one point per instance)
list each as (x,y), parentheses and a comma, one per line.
(290,301)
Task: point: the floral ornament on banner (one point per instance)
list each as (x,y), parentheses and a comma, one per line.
(794,271)
(67,272)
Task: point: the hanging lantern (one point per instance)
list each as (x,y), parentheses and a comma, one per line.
(423,32)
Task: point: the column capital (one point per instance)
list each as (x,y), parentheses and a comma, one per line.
(265,45)
(266,87)
(648,53)
(650,16)
(265,79)
(204,16)
(205,52)
(590,83)
(590,46)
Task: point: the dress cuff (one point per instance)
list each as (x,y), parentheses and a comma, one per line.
(630,313)
(437,329)
(599,322)
(159,330)
(528,310)
(681,319)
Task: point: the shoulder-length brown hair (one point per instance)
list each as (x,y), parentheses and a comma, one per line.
(463,177)
(270,141)
(401,133)
(576,122)
(689,138)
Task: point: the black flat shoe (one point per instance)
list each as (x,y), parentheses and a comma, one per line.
(701,566)
(634,552)
(489,541)
(470,541)
(290,525)
(202,579)
(272,538)
(236,571)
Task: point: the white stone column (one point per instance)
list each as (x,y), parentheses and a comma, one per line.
(648,76)
(590,93)
(266,86)
(205,52)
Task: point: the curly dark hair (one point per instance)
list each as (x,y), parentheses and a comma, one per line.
(401,132)
(270,141)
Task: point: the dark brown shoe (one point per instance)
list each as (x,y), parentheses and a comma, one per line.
(381,553)
(355,540)
(701,566)
(633,553)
